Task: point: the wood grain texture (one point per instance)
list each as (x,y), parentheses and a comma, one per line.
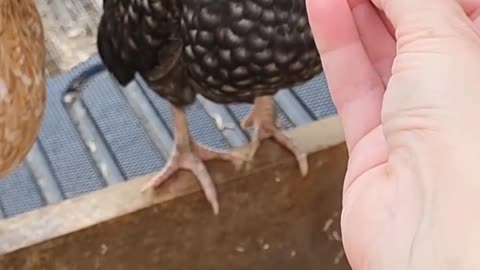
(270,218)
(22,81)
(89,209)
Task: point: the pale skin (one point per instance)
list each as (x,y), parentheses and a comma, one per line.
(410,106)
(189,155)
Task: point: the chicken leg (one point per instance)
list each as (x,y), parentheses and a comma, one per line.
(189,155)
(263,118)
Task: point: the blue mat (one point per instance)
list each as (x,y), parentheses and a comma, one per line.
(110,134)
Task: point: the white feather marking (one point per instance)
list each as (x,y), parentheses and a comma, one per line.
(3,91)
(11,135)
(25,79)
(36,80)
(38,111)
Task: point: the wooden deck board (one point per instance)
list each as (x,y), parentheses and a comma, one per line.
(269,218)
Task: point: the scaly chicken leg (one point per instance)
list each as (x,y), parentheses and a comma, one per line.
(263,118)
(189,155)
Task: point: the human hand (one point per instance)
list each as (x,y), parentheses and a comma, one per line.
(407,90)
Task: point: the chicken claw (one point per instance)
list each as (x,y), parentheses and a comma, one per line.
(193,161)
(263,120)
(189,155)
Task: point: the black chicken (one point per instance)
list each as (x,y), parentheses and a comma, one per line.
(229,51)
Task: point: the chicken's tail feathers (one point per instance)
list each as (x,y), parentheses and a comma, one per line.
(122,72)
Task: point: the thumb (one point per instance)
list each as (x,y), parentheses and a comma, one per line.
(433,37)
(427,19)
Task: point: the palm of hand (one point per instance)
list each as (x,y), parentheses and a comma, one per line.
(384,202)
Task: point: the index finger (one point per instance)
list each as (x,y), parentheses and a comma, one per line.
(356,88)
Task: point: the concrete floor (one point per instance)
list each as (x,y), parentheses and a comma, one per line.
(70,31)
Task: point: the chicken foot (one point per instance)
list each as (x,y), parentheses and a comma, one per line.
(263,118)
(189,155)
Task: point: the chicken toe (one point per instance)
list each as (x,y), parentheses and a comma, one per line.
(189,155)
(263,119)
(193,161)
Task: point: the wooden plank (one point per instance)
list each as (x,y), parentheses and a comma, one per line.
(269,218)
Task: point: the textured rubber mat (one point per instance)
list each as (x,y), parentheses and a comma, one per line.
(109,134)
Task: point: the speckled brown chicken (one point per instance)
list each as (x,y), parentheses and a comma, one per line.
(229,51)
(22,80)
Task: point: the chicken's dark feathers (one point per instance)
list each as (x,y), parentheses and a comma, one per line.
(226,50)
